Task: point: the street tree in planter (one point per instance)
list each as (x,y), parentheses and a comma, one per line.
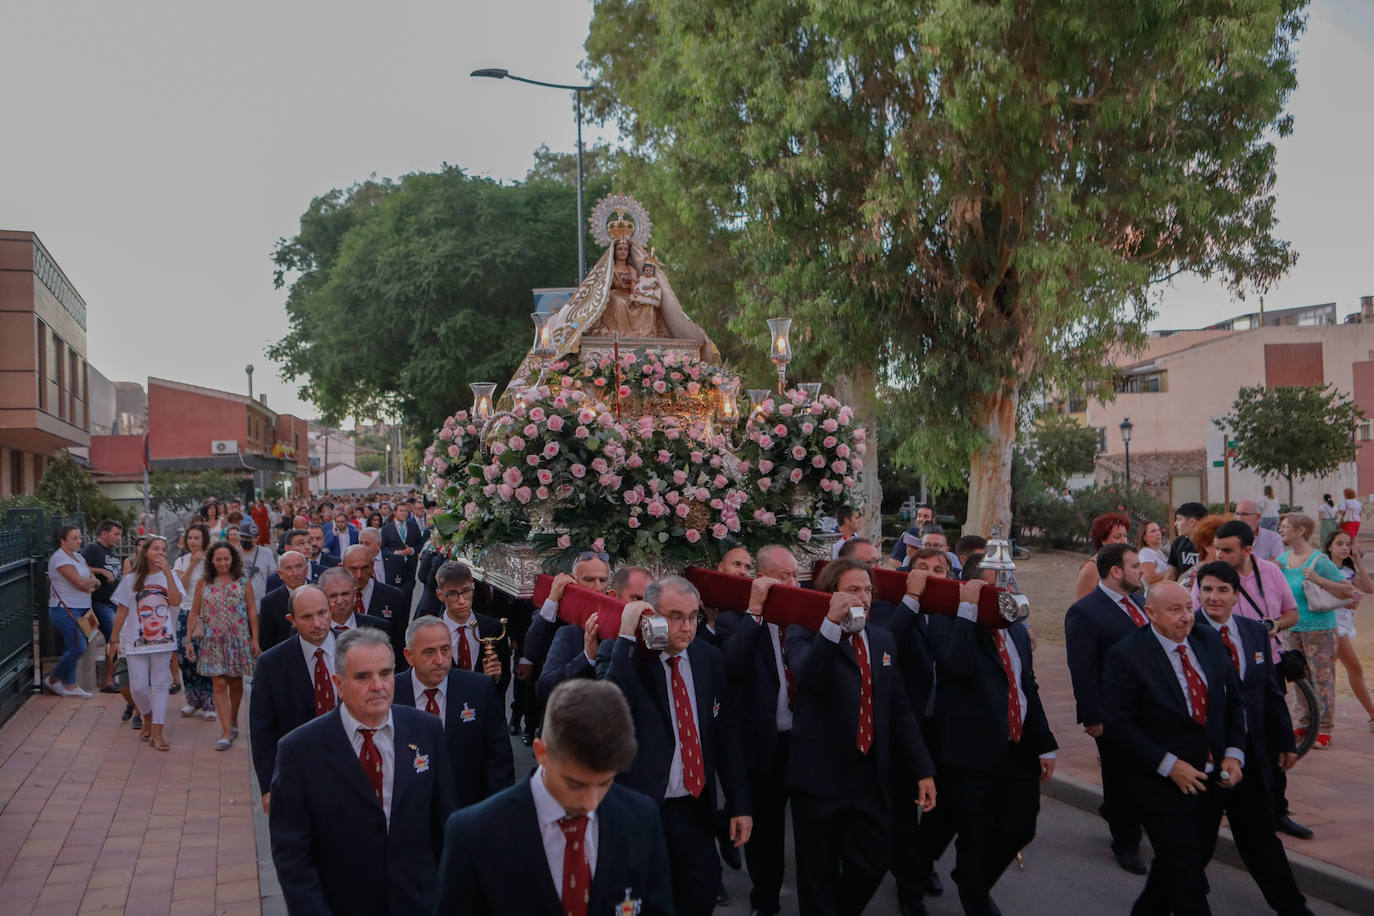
(1292,431)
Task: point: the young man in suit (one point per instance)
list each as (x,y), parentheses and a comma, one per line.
(1269,737)
(340,536)
(852,728)
(466,627)
(376,599)
(995,744)
(318,556)
(688,735)
(1172,708)
(402,541)
(274,626)
(756,663)
(1093,624)
(568,841)
(293,681)
(361,794)
(468,705)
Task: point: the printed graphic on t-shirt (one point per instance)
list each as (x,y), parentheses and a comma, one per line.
(155,625)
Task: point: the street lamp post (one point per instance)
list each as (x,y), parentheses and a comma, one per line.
(499,73)
(1126,427)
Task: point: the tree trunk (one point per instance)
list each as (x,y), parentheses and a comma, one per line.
(989,477)
(858,389)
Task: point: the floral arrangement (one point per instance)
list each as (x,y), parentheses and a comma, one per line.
(561,471)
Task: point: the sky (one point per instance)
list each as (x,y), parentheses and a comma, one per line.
(160,149)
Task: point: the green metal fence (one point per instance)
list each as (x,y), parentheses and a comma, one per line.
(26,542)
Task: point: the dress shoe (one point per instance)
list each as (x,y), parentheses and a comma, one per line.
(514,728)
(1293,828)
(722,898)
(1130,861)
(528,739)
(934,886)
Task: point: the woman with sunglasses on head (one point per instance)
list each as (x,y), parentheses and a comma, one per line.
(149,594)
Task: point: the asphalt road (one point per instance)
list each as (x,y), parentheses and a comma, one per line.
(1068,870)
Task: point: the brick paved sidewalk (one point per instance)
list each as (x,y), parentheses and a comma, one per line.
(1331,791)
(92,819)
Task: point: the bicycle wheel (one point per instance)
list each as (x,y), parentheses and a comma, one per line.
(1304,707)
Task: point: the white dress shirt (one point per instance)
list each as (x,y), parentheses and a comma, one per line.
(309,652)
(467,631)
(1171,652)
(379,569)
(1234,633)
(549,610)
(969,612)
(549,812)
(385,739)
(367,595)
(441,698)
(401,530)
(350,624)
(782,712)
(1117,599)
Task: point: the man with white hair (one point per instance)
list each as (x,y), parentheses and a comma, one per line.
(1268,545)
(275,606)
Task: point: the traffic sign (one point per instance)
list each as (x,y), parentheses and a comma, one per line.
(1232,443)
(1218,464)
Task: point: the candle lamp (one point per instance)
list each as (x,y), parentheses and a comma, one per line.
(729,403)
(481,399)
(812,389)
(780,347)
(756,398)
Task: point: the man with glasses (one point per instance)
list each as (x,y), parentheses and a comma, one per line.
(687,730)
(467,628)
(1268,545)
(573,654)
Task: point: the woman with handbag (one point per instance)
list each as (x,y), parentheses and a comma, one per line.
(1318,588)
(1348,557)
(70,583)
(149,595)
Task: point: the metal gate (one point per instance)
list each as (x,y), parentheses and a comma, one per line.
(26,542)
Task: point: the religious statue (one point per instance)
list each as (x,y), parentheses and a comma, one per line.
(626,296)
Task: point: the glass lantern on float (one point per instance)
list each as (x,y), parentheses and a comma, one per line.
(729,403)
(780,347)
(812,390)
(481,400)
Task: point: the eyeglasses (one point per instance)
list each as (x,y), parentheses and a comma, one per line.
(458,592)
(677,620)
(601,555)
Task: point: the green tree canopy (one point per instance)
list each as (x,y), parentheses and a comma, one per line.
(67,487)
(1291,431)
(402,293)
(188,489)
(1059,447)
(962,199)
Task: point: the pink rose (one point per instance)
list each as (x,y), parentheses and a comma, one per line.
(849,482)
(505,491)
(610,481)
(582,432)
(719,531)
(544,476)
(537,413)
(440,483)
(765,483)
(842,450)
(551,450)
(808,428)
(624,391)
(683,509)
(673,497)
(796,475)
(657,509)
(498,448)
(452,451)
(673,433)
(578,471)
(860,434)
(715,461)
(663,456)
(858,464)
(765,466)
(564,541)
(830,425)
(785,410)
(531,430)
(532,460)
(446,433)
(695,457)
(719,481)
(679,477)
(732,523)
(692,535)
(829,441)
(633,498)
(489,490)
(633,522)
(542,492)
(512,476)
(839,467)
(523,494)
(779,430)
(634,460)
(599,465)
(818,461)
(765,442)
(559,401)
(804,534)
(517,443)
(491,472)
(798,452)
(555,423)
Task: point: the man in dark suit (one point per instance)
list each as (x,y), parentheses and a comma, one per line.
(568,840)
(995,744)
(756,664)
(1172,707)
(402,541)
(467,628)
(467,703)
(387,569)
(376,599)
(591,569)
(1249,807)
(339,536)
(338,587)
(318,556)
(852,726)
(293,681)
(273,624)
(360,795)
(918,839)
(688,735)
(573,652)
(309,568)
(1093,624)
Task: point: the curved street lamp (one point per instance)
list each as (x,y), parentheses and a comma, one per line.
(500,73)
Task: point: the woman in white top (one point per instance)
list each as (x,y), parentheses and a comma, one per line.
(1329,515)
(1154,564)
(1269,510)
(1346,554)
(200,690)
(151,595)
(1350,514)
(70,584)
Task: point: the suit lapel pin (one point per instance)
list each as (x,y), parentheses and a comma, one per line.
(468,714)
(715,713)
(630,906)
(1259,658)
(421,760)
(386,611)
(887,660)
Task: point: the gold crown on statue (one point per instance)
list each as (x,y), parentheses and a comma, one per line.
(620,227)
(652,258)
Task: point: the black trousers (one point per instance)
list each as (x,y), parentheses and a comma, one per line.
(522,703)
(994,813)
(688,829)
(916,835)
(1182,829)
(1249,809)
(765,853)
(842,843)
(1118,805)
